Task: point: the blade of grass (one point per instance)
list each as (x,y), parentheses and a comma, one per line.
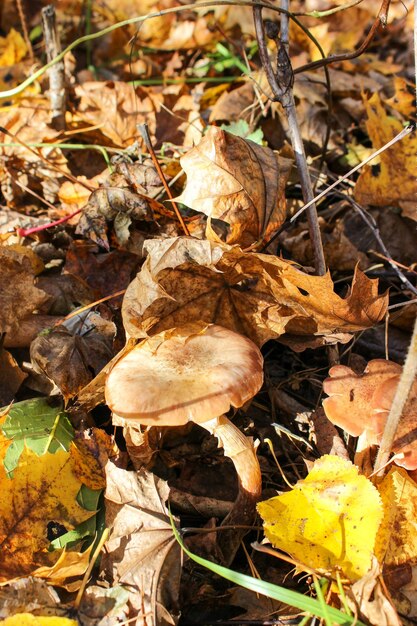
(287,596)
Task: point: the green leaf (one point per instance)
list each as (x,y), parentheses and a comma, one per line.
(38,425)
(241,129)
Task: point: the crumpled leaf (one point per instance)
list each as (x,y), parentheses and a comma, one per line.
(71,357)
(236,181)
(90,451)
(142,553)
(11,377)
(362,404)
(28,594)
(42,491)
(258,295)
(70,565)
(18,294)
(393,178)
(322,521)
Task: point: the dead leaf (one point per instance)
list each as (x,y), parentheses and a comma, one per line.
(19,296)
(260,296)
(29,594)
(42,490)
(393,178)
(71,357)
(142,553)
(90,451)
(236,181)
(12,48)
(11,377)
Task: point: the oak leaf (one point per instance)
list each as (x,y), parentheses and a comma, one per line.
(184,280)
(236,181)
(321,522)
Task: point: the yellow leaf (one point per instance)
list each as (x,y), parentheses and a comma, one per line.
(27,619)
(42,491)
(396,541)
(330,519)
(12,48)
(70,566)
(392,179)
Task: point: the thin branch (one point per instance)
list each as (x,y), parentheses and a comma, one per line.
(57,91)
(281,85)
(23,22)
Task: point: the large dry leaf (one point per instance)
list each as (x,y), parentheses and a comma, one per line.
(184,280)
(236,181)
(18,294)
(142,553)
(43,490)
(392,179)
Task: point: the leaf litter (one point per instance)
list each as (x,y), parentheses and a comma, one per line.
(118,270)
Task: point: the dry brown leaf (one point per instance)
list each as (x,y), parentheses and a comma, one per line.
(142,553)
(71,358)
(19,296)
(90,450)
(393,178)
(260,296)
(116,108)
(236,181)
(11,377)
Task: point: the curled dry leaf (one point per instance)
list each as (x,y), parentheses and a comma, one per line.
(361,403)
(256,295)
(236,181)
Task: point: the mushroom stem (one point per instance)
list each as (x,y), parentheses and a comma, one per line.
(241,451)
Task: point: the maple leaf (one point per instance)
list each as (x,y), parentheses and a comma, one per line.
(237,181)
(393,179)
(321,522)
(141,553)
(43,490)
(257,295)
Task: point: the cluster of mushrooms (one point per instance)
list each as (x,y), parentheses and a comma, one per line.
(193,373)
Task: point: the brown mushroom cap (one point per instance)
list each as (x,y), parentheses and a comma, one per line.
(192,373)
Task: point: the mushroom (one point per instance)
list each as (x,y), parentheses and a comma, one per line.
(194,373)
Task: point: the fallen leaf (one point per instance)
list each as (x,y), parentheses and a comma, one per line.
(71,356)
(43,490)
(19,296)
(329,519)
(11,377)
(28,594)
(39,425)
(26,619)
(258,295)
(70,565)
(393,178)
(90,451)
(236,181)
(12,48)
(142,553)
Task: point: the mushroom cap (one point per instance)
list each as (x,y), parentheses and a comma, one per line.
(193,373)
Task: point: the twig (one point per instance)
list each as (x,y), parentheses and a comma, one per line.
(23,22)
(57,91)
(405,131)
(25,232)
(401,395)
(281,85)
(143,129)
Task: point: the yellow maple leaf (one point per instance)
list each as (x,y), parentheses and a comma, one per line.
(43,490)
(12,48)
(329,519)
(391,180)
(396,541)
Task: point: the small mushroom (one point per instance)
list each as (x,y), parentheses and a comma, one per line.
(194,373)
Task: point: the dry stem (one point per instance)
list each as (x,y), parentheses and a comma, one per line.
(56,73)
